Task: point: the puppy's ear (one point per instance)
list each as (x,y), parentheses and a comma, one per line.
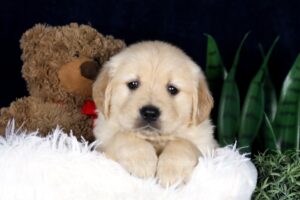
(202,102)
(102,92)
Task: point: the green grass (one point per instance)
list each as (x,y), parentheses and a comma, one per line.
(278,176)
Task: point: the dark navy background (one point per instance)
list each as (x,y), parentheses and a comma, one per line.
(180,22)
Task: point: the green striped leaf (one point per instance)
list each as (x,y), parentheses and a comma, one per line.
(265,137)
(270,96)
(269,92)
(285,121)
(269,136)
(231,75)
(215,70)
(229,107)
(298,127)
(253,108)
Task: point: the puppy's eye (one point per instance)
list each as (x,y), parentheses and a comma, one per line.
(172,90)
(133,85)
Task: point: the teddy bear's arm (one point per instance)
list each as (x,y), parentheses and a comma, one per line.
(33,114)
(17,110)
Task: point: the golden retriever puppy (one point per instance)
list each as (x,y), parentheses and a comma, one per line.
(154,104)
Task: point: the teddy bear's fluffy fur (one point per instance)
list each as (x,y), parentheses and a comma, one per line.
(54,99)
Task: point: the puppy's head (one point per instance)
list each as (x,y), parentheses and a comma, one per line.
(153,87)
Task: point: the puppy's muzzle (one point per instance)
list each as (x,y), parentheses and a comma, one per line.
(149,113)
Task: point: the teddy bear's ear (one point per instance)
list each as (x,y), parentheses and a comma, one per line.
(90,69)
(31,37)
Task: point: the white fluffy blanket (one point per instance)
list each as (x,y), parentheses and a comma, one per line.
(61,168)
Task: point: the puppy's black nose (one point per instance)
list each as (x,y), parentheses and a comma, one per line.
(150,113)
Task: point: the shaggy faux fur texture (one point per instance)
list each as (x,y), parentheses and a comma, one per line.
(60,167)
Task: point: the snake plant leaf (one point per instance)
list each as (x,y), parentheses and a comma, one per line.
(215,70)
(253,108)
(298,127)
(237,58)
(265,136)
(229,107)
(270,96)
(270,106)
(285,122)
(269,136)
(229,111)
(269,92)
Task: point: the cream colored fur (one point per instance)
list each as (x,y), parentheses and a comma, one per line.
(171,151)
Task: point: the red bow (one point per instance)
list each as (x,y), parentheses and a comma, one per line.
(89,108)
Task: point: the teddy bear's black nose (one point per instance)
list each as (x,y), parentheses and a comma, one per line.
(90,69)
(149,113)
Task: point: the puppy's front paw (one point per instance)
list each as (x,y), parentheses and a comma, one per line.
(176,162)
(171,171)
(139,161)
(137,156)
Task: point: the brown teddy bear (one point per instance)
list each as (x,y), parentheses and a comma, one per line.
(60,64)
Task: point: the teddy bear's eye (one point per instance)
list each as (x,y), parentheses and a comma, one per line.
(172,90)
(76,54)
(133,85)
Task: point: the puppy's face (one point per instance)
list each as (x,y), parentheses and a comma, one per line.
(152,87)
